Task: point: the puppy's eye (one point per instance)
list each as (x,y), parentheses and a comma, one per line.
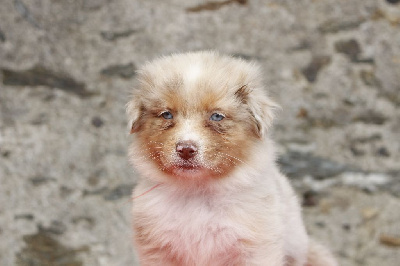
(167,115)
(217,117)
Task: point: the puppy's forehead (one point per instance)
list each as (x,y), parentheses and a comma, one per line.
(193,73)
(194,96)
(196,80)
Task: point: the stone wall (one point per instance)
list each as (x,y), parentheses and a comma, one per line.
(66,69)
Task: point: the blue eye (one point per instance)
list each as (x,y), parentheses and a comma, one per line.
(217,117)
(167,115)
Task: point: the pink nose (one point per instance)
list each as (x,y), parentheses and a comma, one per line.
(186,149)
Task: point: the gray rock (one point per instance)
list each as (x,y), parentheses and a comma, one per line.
(114,35)
(25,216)
(371,117)
(97,122)
(316,64)
(124,71)
(40,76)
(334,26)
(351,48)
(44,250)
(295,164)
(2,36)
(214,5)
(25,13)
(119,192)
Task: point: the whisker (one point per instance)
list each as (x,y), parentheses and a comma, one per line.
(156,142)
(233,157)
(230,142)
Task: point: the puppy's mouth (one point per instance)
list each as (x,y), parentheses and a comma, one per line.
(188,169)
(187,166)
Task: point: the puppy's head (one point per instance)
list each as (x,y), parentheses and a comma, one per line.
(197,116)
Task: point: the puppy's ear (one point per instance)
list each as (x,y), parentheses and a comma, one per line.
(134,112)
(261,107)
(263,110)
(243,93)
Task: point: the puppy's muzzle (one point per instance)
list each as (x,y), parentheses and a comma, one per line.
(186,149)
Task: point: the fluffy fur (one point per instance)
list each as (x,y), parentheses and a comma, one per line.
(210,192)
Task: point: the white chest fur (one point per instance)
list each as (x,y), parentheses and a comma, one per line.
(197,229)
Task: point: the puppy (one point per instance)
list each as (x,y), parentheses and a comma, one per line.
(210,192)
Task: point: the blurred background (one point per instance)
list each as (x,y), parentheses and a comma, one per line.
(66,68)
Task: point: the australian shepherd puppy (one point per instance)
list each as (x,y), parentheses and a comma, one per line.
(210,192)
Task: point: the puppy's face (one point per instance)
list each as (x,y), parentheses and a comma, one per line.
(197,116)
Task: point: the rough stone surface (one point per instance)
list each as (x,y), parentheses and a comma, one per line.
(66,71)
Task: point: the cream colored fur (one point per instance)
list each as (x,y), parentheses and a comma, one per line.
(249,214)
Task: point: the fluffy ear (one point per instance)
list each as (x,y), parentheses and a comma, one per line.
(261,107)
(134,112)
(263,110)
